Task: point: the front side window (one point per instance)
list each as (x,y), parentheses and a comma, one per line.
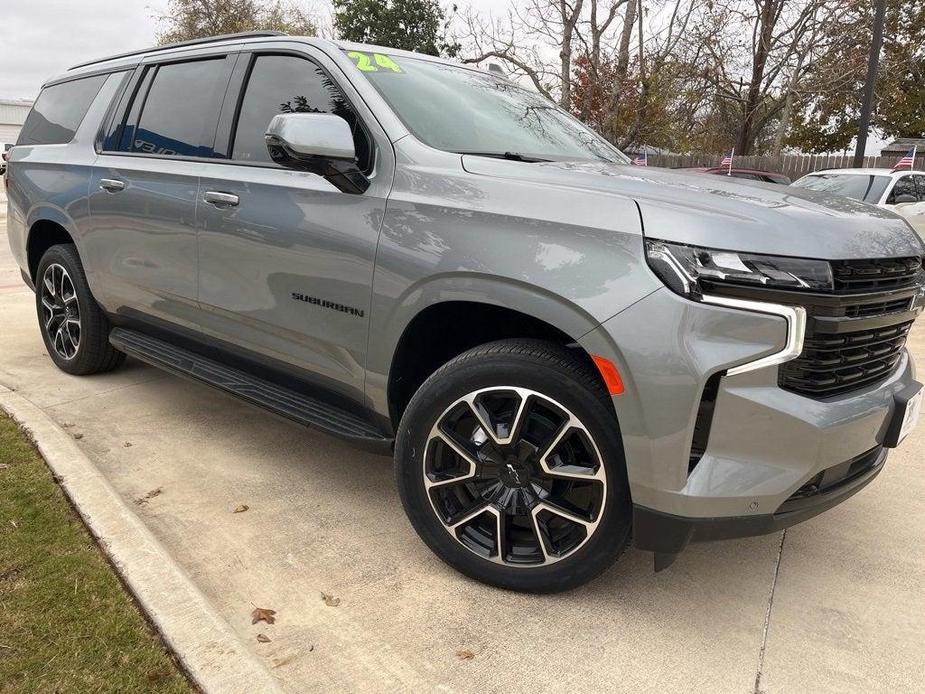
(903,191)
(473,112)
(289,84)
(177,115)
(920,186)
(863,187)
(59,110)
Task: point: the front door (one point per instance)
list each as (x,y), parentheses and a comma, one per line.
(285,258)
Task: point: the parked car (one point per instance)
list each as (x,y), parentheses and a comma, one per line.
(566,353)
(902,192)
(4,153)
(747,174)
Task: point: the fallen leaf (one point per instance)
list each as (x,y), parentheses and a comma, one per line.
(127,444)
(278,662)
(311,648)
(241,509)
(3,466)
(465,654)
(330,600)
(150,495)
(78,436)
(262,614)
(13,523)
(263,638)
(67,425)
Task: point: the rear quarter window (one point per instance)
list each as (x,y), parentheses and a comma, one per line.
(59,110)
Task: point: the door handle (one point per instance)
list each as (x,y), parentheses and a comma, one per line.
(113,185)
(221,199)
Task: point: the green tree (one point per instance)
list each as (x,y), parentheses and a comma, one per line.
(193,19)
(411,25)
(827,116)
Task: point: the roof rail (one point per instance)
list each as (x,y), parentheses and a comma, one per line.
(179,44)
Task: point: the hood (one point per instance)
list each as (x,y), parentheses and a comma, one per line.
(729,213)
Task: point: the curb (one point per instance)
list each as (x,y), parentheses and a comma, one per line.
(205,644)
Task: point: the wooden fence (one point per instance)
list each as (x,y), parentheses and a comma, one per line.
(792,165)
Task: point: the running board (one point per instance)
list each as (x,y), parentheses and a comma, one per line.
(304,409)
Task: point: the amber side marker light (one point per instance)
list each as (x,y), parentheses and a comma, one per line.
(609,373)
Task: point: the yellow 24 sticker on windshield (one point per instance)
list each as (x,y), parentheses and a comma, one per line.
(372,62)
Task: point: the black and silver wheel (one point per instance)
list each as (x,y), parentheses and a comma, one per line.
(510,466)
(61,311)
(74,328)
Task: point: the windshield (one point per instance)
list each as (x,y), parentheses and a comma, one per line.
(863,187)
(472,112)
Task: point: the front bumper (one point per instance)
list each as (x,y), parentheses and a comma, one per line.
(765,443)
(668,534)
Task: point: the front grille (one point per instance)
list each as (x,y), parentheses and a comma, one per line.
(832,364)
(875,275)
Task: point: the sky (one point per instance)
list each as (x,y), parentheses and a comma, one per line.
(40,39)
(81,30)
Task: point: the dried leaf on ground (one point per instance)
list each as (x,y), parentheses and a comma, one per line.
(150,495)
(330,600)
(465,654)
(78,436)
(241,509)
(127,444)
(3,466)
(263,638)
(262,614)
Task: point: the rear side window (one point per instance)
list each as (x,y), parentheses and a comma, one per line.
(58,111)
(175,110)
(288,84)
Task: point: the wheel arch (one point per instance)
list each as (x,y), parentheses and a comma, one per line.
(463,313)
(47,227)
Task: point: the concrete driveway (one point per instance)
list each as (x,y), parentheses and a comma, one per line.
(833,605)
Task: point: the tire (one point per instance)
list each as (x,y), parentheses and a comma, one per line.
(563,511)
(62,296)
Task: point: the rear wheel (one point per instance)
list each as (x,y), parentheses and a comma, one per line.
(510,467)
(73,326)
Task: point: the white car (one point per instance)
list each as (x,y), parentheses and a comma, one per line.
(902,192)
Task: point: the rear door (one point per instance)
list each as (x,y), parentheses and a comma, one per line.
(285,269)
(144,184)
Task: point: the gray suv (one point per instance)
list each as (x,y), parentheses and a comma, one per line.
(566,353)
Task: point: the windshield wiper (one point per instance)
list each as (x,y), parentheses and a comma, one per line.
(511,156)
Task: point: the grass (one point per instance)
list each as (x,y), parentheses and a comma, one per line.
(66,622)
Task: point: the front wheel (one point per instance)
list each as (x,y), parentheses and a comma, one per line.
(510,467)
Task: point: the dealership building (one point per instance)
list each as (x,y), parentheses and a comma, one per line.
(13,114)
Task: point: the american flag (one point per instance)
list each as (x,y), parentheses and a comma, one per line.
(727,160)
(642,159)
(906,162)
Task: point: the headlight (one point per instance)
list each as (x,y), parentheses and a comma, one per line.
(686,269)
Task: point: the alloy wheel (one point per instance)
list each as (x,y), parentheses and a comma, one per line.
(60,311)
(514,476)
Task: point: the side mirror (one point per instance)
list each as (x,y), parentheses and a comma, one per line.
(904,198)
(321,143)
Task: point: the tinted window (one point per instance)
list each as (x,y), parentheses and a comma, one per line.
(180,111)
(920,185)
(867,188)
(287,84)
(58,111)
(903,186)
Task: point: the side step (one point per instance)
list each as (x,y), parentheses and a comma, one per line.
(304,409)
